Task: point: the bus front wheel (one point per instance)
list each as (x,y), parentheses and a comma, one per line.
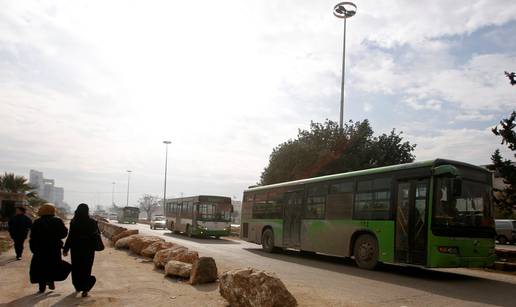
(365,252)
(268,241)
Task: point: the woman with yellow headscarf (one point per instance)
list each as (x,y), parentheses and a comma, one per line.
(46,244)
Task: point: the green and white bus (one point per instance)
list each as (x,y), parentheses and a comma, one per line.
(202,215)
(432,214)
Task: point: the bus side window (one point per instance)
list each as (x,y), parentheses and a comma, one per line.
(260,206)
(339,204)
(316,202)
(373,199)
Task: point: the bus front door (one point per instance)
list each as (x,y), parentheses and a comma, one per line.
(292,218)
(411,222)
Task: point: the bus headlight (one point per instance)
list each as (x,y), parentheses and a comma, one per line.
(448,249)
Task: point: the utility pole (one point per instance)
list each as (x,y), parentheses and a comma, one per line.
(344,10)
(166,162)
(128,180)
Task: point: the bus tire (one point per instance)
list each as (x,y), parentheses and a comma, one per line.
(502,240)
(268,241)
(365,252)
(188,231)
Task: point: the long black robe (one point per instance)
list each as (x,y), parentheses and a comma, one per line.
(81,241)
(19,226)
(45,244)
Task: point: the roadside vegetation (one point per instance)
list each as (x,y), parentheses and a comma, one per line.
(327,149)
(149,204)
(505,199)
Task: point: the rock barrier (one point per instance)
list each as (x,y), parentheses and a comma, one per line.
(241,287)
(109,230)
(204,270)
(250,287)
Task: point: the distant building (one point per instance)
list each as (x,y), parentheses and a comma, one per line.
(237,211)
(46,188)
(58,195)
(497,179)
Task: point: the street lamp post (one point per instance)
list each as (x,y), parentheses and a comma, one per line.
(113,194)
(166,162)
(344,10)
(128,180)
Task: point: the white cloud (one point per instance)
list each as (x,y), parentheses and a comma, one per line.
(469,145)
(89,89)
(474,116)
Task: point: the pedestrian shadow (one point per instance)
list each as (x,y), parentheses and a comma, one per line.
(31,299)
(7,261)
(75,299)
(69,300)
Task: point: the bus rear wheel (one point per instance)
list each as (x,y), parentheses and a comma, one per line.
(365,252)
(268,241)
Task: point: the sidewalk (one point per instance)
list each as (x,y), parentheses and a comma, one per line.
(122,280)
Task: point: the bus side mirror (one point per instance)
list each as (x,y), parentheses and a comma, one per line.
(457,187)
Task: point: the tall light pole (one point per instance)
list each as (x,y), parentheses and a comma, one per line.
(166,162)
(344,10)
(128,180)
(113,194)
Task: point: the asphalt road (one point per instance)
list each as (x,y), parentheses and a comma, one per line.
(322,280)
(506,246)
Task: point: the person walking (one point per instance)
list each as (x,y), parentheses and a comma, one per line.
(45,243)
(83,241)
(19,226)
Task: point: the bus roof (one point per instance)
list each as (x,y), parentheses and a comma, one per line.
(201,198)
(370,171)
(130,207)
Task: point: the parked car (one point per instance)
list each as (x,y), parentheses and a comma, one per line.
(505,231)
(158,221)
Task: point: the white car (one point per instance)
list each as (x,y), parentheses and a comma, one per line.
(158,221)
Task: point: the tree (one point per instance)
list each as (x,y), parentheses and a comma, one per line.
(327,149)
(505,198)
(12,183)
(149,204)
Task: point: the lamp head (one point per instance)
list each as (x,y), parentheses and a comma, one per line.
(345,10)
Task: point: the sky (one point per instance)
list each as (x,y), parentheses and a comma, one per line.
(91,89)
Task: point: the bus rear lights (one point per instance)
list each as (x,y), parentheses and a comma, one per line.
(448,249)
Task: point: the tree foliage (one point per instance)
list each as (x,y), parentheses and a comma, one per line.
(12,183)
(327,149)
(149,204)
(505,198)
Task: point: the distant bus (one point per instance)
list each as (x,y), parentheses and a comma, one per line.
(200,215)
(128,215)
(432,214)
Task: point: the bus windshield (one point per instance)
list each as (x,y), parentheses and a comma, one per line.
(209,212)
(471,209)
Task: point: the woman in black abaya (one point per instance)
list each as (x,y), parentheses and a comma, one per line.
(82,240)
(45,243)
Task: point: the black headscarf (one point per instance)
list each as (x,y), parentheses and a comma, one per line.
(82,212)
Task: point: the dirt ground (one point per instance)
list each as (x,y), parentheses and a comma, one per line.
(122,280)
